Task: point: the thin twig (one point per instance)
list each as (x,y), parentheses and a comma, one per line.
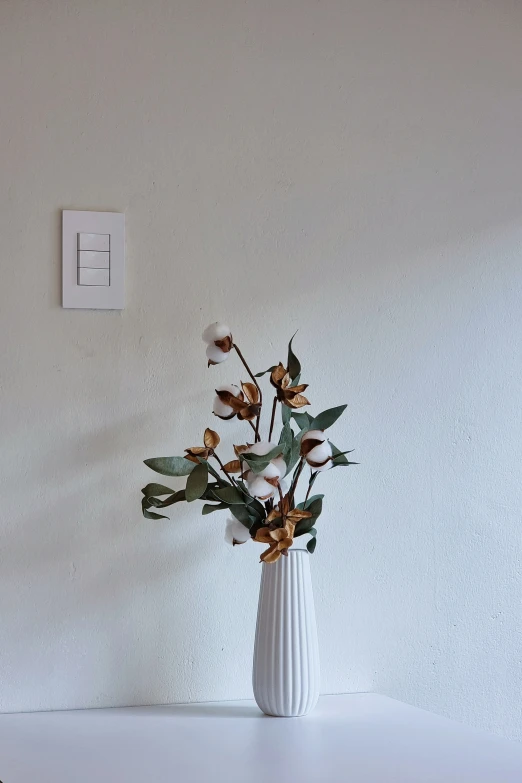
(272,420)
(310,484)
(227,474)
(249,371)
(295,480)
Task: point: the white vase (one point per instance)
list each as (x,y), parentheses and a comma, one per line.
(286,655)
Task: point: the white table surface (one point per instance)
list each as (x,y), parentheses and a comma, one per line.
(357,738)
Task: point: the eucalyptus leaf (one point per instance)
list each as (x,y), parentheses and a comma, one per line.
(339,459)
(145,505)
(176,497)
(229,495)
(303,420)
(314,506)
(270,369)
(285,440)
(170,466)
(294,454)
(311,545)
(327,418)
(209,508)
(242,515)
(286,414)
(306,506)
(197,482)
(293,364)
(156,489)
(257,462)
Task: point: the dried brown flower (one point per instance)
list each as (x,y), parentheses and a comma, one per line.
(211,440)
(286,394)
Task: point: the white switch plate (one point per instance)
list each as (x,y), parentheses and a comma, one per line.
(109,228)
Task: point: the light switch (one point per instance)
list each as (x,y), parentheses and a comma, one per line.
(93,259)
(93,241)
(93,276)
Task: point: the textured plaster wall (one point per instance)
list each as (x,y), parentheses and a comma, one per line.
(349,168)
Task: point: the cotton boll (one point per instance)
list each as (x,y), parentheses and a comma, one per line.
(326,466)
(220,408)
(235,532)
(215,354)
(314,434)
(216,331)
(270,471)
(262,448)
(319,453)
(261,489)
(280,464)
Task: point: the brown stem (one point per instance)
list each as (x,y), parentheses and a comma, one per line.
(251,425)
(227,474)
(272,420)
(310,483)
(294,481)
(249,371)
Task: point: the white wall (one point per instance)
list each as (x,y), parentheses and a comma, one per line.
(349,168)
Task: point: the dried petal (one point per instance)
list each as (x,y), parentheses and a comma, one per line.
(225,344)
(264,535)
(251,392)
(241,449)
(271,555)
(297,402)
(211,439)
(286,380)
(277,375)
(234,466)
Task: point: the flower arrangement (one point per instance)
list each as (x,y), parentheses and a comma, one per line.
(257,487)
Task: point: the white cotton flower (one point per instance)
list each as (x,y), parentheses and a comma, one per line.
(258,486)
(220,408)
(235,532)
(320,456)
(216,331)
(276,468)
(215,355)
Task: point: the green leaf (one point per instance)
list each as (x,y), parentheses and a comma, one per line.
(311,545)
(197,482)
(270,369)
(208,508)
(309,502)
(339,460)
(177,497)
(303,420)
(286,440)
(242,515)
(145,505)
(229,495)
(156,489)
(315,506)
(327,418)
(286,414)
(294,454)
(293,364)
(257,462)
(170,466)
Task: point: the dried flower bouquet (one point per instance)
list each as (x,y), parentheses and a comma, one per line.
(258,486)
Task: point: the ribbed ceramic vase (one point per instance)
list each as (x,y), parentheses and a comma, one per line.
(286,655)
